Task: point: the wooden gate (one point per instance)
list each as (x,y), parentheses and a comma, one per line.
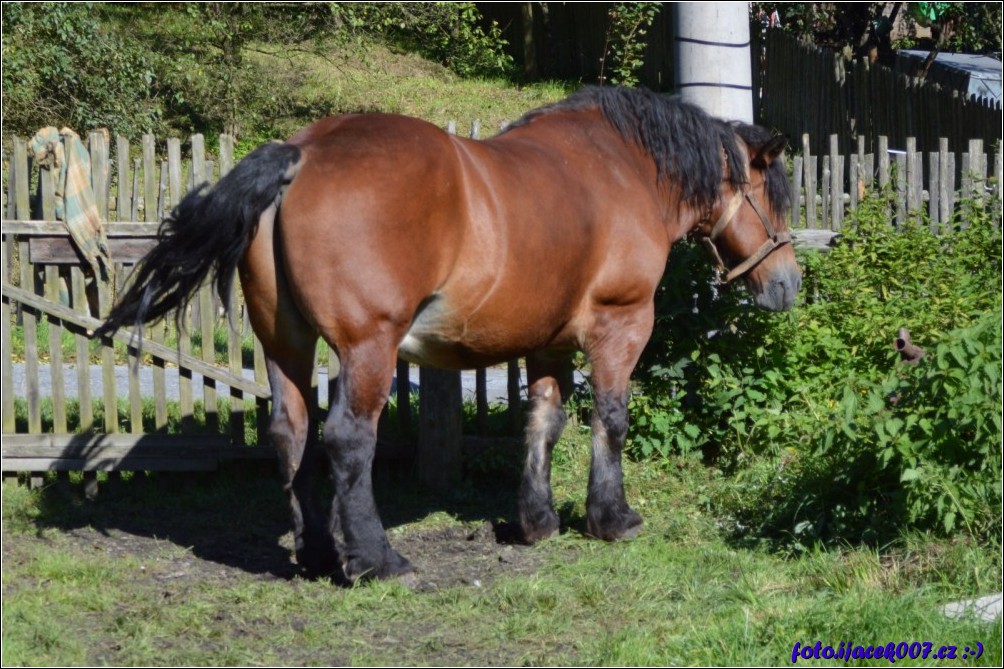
(50,304)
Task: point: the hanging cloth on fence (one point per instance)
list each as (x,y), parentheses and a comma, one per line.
(63,152)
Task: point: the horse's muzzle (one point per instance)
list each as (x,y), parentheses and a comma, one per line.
(778,292)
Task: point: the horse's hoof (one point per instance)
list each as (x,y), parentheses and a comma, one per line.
(616,527)
(535,533)
(542,526)
(394,564)
(319,564)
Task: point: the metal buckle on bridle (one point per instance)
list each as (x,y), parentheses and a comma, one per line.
(774,239)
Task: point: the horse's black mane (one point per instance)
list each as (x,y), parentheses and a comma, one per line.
(684,140)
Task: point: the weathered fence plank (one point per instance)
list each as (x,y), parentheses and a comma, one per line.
(236,369)
(123,201)
(6,341)
(80,304)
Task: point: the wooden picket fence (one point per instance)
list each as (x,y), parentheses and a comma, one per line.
(45,286)
(832,184)
(804,89)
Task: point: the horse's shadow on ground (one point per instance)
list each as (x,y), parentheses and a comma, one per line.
(238,516)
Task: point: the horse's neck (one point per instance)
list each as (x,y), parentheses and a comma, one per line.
(679,217)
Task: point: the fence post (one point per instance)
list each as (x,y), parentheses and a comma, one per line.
(440,438)
(796,188)
(946,182)
(810,183)
(825,181)
(934,190)
(123,201)
(913,176)
(900,185)
(977,169)
(515,399)
(29,321)
(998,185)
(6,257)
(836,183)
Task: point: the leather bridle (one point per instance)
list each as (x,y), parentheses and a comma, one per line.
(774,241)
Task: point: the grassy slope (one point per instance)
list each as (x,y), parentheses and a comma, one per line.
(377,78)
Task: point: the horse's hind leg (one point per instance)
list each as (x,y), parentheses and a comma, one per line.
(550,384)
(350,433)
(289,342)
(289,431)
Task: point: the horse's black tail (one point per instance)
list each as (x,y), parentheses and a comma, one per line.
(207,232)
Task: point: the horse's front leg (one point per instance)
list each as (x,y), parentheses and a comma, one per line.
(350,434)
(614,353)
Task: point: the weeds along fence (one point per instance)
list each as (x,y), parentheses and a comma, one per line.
(808,90)
(199,394)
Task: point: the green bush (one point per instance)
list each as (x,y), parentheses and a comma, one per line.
(451,33)
(918,448)
(828,436)
(930,436)
(625,43)
(712,376)
(63,66)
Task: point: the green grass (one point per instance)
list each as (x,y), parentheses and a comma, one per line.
(68,345)
(177,421)
(377,78)
(682,593)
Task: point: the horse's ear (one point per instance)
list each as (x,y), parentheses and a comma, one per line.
(766,154)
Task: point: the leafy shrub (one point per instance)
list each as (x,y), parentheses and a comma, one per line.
(448,32)
(625,43)
(918,448)
(711,377)
(63,66)
(931,435)
(808,391)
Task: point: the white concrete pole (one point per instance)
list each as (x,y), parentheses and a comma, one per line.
(713,57)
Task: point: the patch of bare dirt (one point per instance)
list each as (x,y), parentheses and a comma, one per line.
(187,544)
(463,554)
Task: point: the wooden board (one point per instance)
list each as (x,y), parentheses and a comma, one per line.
(62,250)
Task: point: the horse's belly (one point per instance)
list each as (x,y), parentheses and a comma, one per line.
(451,348)
(440,337)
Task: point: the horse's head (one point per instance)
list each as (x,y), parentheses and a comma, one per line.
(746,231)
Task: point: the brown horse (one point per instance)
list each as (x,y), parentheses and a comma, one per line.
(386,236)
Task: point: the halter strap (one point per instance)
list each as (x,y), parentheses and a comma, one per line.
(774,239)
(727,215)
